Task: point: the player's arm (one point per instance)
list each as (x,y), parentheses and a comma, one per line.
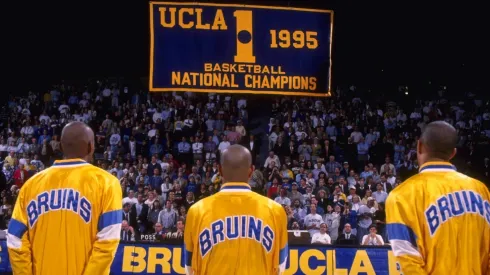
(18,244)
(403,232)
(109,230)
(189,239)
(282,239)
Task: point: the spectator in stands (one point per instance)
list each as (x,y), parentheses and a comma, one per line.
(127,232)
(140,132)
(379,219)
(312,221)
(321,237)
(154,213)
(168,217)
(272,161)
(372,238)
(139,215)
(130,198)
(178,233)
(159,232)
(348,237)
(20,176)
(282,198)
(380,195)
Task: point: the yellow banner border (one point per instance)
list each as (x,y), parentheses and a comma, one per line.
(152,48)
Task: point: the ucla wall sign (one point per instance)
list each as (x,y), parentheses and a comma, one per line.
(148,258)
(230,48)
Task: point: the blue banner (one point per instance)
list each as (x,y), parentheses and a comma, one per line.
(229,48)
(4,257)
(153,258)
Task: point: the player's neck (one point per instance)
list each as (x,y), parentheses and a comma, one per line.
(68,157)
(235,181)
(433,160)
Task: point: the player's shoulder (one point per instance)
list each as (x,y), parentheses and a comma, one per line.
(474,184)
(98,173)
(268,204)
(39,176)
(406,190)
(408,184)
(96,170)
(201,204)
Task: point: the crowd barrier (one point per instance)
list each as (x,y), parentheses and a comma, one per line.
(154,258)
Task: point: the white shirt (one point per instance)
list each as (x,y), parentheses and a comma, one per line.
(391,180)
(115,139)
(164,166)
(223,145)
(240,129)
(150,203)
(401,117)
(165,188)
(27,130)
(152,133)
(365,209)
(241,102)
(313,219)
(188,123)
(380,196)
(210,105)
(415,115)
(273,138)
(356,136)
(63,109)
(269,160)
(130,200)
(197,147)
(322,238)
(157,116)
(132,148)
(372,241)
(283,201)
(45,118)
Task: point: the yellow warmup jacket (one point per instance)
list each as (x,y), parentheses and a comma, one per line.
(236,231)
(438,222)
(67,220)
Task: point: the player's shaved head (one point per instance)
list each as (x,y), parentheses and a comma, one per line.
(438,141)
(77,141)
(236,162)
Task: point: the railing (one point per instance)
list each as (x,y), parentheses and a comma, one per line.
(165,258)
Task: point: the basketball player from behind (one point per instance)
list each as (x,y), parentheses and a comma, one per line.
(67,218)
(438,221)
(236,231)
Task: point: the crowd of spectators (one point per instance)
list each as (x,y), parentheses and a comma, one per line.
(162,147)
(332,161)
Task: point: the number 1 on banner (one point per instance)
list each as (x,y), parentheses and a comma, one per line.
(244,37)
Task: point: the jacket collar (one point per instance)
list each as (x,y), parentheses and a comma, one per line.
(70,163)
(235,187)
(437,166)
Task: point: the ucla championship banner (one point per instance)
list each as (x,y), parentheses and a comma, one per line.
(228,48)
(153,258)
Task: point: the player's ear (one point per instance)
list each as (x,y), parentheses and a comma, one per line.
(419,147)
(220,170)
(90,148)
(252,169)
(453,154)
